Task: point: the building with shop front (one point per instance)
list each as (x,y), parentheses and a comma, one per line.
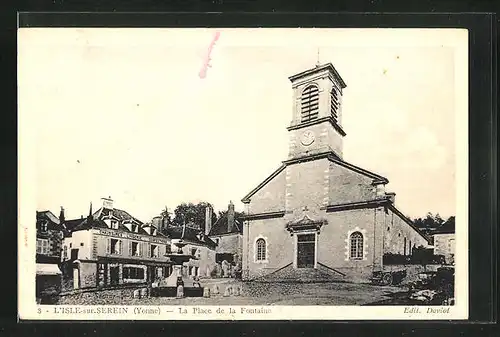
(319,217)
(49,237)
(110,247)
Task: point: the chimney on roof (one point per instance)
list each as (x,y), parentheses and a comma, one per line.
(107,203)
(230,217)
(380,191)
(164,224)
(89,217)
(157,222)
(208,219)
(61,216)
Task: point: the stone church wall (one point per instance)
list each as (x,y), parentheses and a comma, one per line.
(271,197)
(333,242)
(307,186)
(279,247)
(395,231)
(347,186)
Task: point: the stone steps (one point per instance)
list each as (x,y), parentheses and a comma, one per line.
(302,275)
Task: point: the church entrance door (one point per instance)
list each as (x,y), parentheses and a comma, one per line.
(306,250)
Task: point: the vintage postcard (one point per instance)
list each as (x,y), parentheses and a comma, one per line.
(243,174)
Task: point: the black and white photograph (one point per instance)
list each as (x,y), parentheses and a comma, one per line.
(241,174)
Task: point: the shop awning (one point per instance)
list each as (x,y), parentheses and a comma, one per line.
(47,269)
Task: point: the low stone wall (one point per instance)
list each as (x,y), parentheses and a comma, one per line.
(412,270)
(96,297)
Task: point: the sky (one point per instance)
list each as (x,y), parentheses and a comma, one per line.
(124,113)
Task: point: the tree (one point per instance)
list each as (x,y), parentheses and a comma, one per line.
(189,212)
(438,220)
(449,224)
(430,221)
(237,215)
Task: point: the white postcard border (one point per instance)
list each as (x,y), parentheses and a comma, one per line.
(29,310)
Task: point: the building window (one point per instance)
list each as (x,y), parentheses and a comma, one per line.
(310,104)
(43,225)
(135,249)
(81,244)
(114,224)
(42,246)
(115,246)
(216,241)
(334,107)
(65,252)
(193,251)
(356,248)
(154,251)
(132,273)
(261,250)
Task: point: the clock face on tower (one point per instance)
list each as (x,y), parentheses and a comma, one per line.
(307,138)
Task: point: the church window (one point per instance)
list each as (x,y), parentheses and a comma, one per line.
(310,103)
(261,250)
(334,106)
(356,248)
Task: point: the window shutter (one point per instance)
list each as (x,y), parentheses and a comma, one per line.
(310,103)
(130,248)
(108,246)
(121,246)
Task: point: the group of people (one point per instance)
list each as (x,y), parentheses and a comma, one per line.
(227,270)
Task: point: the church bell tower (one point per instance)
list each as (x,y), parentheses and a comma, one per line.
(316,126)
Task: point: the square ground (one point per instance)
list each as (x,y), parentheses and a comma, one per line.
(252,293)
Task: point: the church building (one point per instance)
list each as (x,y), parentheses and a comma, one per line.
(319,217)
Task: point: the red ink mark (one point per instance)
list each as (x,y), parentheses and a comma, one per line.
(206,64)
(25,237)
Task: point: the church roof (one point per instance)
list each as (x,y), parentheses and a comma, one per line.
(408,221)
(376,177)
(331,157)
(319,68)
(246,199)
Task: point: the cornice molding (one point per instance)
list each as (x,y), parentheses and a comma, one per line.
(329,119)
(357,205)
(260,216)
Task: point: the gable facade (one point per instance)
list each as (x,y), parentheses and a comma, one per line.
(317,215)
